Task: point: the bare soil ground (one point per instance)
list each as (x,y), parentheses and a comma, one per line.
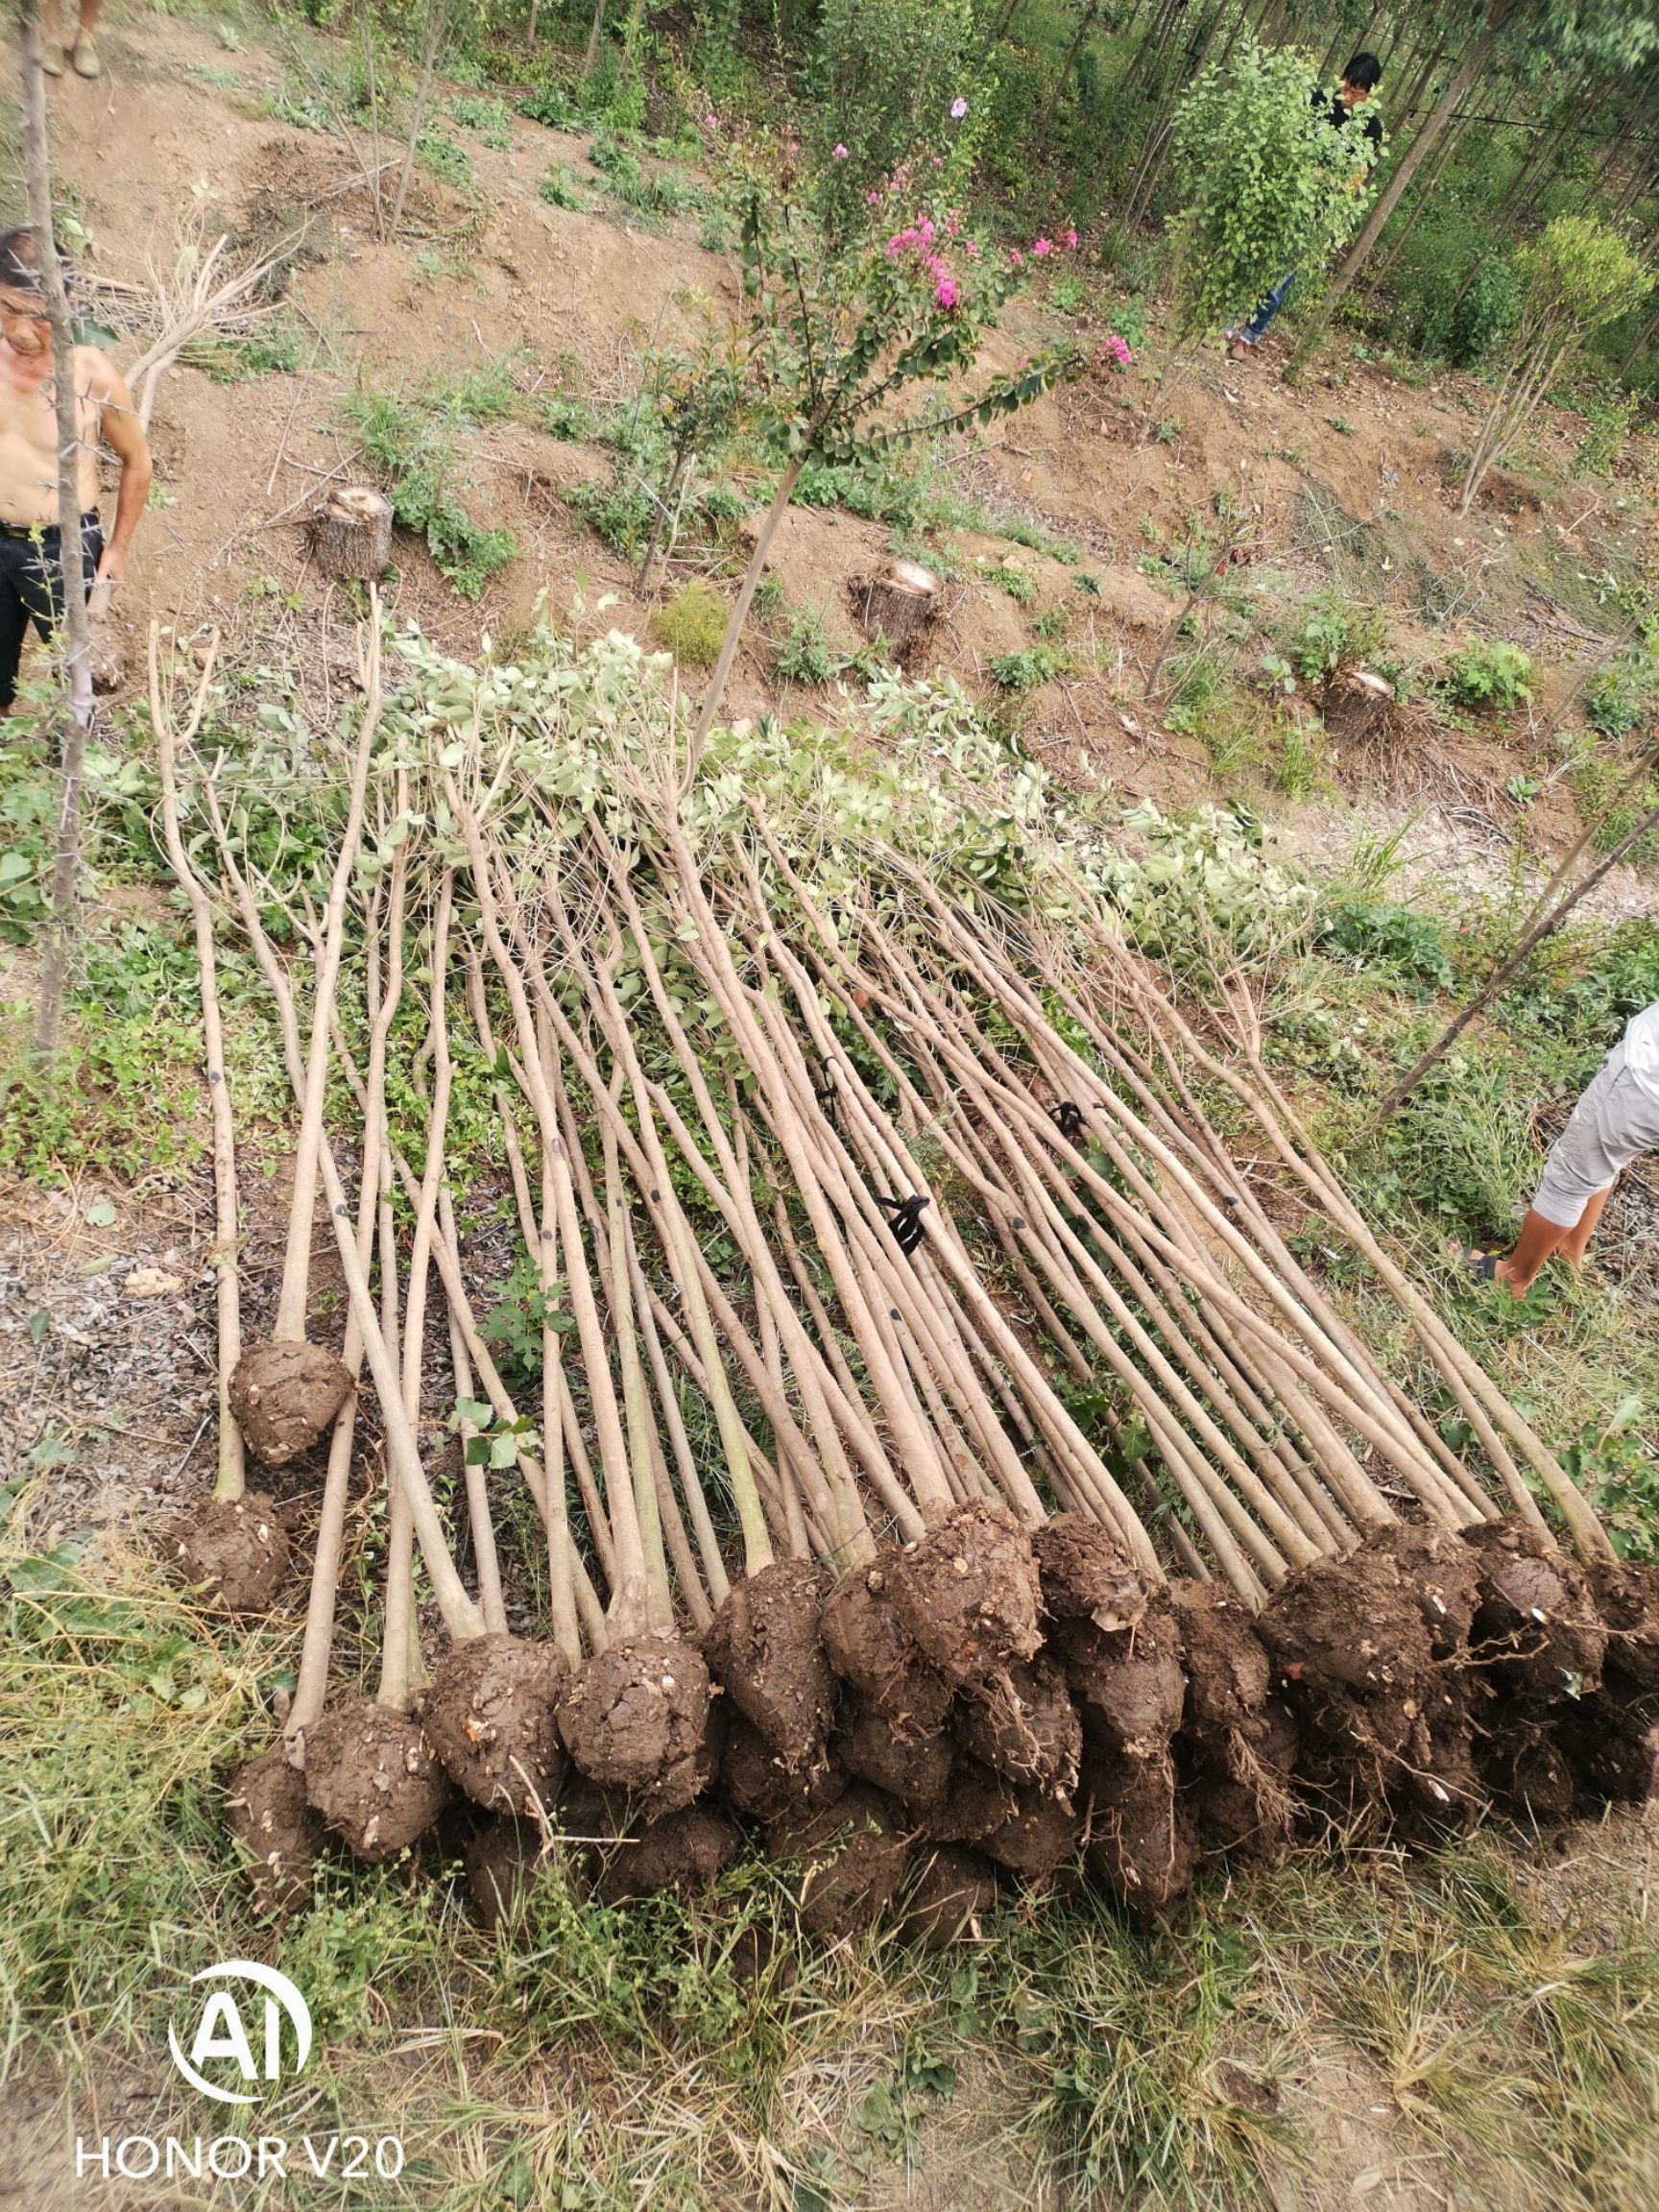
(1343,485)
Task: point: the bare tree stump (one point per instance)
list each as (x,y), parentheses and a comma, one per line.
(899,605)
(351,533)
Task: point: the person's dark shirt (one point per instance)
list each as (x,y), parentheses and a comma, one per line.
(1342,115)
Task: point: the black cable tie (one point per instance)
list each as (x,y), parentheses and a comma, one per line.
(905,1217)
(1067,1117)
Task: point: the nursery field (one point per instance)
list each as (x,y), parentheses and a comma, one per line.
(747,1452)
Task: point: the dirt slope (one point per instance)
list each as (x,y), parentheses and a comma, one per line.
(1342,485)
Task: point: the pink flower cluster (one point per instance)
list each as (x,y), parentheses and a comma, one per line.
(1040,249)
(923,238)
(1113,350)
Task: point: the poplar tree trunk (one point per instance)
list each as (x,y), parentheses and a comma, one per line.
(435,15)
(74,639)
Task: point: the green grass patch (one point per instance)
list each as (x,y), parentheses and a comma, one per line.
(692,625)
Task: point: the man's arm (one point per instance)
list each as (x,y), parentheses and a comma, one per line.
(123,434)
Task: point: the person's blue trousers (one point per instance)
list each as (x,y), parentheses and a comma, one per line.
(1254,330)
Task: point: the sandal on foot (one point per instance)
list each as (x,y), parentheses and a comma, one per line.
(85,59)
(1480,1267)
(52,58)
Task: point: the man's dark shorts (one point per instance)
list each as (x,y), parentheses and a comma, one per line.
(31,589)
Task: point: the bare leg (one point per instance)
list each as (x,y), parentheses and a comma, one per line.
(90,10)
(51,38)
(1537,1240)
(1576,1240)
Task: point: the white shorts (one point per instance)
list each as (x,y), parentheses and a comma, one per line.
(1615,1121)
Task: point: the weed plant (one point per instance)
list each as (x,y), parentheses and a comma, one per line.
(691,625)
(415,445)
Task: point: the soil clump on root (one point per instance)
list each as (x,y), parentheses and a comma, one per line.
(1442,1574)
(949,1892)
(755,1782)
(1537,1623)
(1142,1845)
(1086,1575)
(966,1593)
(271,1817)
(1023,1725)
(1128,1683)
(684,1852)
(869,1647)
(285,1395)
(765,1649)
(636,1718)
(1521,1763)
(914,1771)
(1227,1667)
(850,1856)
(373,1777)
(1626,1595)
(1037,1837)
(490,1717)
(1614,1748)
(976,1802)
(234,1550)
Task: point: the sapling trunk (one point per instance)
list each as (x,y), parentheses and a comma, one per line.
(659,1602)
(627,1609)
(232,1479)
(460,1617)
(436,16)
(739,614)
(76,642)
(285,1392)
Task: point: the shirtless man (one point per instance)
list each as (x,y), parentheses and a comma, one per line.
(31,564)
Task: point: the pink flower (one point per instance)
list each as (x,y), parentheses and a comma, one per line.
(1017,257)
(710,122)
(839,155)
(1043,248)
(958,109)
(873,199)
(946,294)
(971,247)
(1113,347)
(1071,240)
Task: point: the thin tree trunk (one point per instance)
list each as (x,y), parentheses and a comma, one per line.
(1466,73)
(367,18)
(1085,24)
(436,13)
(593,36)
(1438,168)
(1545,927)
(740,612)
(60,933)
